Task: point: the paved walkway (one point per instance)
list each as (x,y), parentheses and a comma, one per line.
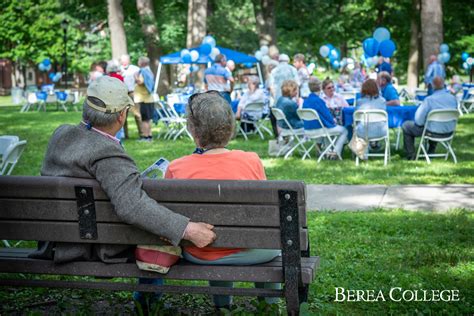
(409,197)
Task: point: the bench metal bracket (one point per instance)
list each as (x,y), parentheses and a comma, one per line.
(291,253)
(86,212)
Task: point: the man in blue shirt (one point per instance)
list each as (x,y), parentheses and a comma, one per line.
(387,90)
(434,69)
(313,101)
(216,77)
(383,65)
(441,99)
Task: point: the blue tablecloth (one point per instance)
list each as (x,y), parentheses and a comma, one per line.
(181,107)
(466,87)
(396,115)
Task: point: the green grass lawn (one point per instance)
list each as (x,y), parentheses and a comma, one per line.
(376,250)
(36,128)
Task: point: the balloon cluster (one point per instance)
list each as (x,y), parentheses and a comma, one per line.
(207,48)
(55,77)
(468,61)
(444,56)
(334,55)
(45,65)
(379,43)
(262,55)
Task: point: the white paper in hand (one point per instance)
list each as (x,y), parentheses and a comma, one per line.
(156,170)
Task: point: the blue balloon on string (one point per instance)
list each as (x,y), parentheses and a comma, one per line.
(46,62)
(335,64)
(187,58)
(51,76)
(444,48)
(381,34)
(370,46)
(209,40)
(41,67)
(464,56)
(205,49)
(445,57)
(387,48)
(330,46)
(334,54)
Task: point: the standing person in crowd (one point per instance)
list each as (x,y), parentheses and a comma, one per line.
(384,65)
(212,124)
(434,69)
(334,101)
(113,70)
(143,96)
(358,76)
(278,75)
(97,70)
(286,103)
(230,67)
(303,74)
(316,103)
(440,99)
(388,91)
(216,77)
(128,72)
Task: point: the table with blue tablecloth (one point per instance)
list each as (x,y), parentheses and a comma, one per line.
(181,107)
(397,115)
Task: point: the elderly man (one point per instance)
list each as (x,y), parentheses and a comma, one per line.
(434,69)
(89,150)
(441,99)
(216,77)
(387,90)
(128,72)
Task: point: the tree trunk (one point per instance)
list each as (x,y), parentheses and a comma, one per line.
(152,40)
(117,31)
(266,26)
(431,28)
(414,54)
(197,22)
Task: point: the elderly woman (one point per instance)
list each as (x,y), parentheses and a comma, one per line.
(253,95)
(286,103)
(334,101)
(371,100)
(211,122)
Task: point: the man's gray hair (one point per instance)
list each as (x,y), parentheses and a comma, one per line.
(97,118)
(143,61)
(211,121)
(314,84)
(385,75)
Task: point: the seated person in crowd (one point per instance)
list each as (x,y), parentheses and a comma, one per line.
(371,100)
(253,95)
(287,103)
(358,75)
(440,99)
(388,91)
(456,86)
(334,101)
(212,123)
(316,103)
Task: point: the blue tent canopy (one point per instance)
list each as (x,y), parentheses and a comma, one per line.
(237,57)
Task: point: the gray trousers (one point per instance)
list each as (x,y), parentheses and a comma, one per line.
(410,131)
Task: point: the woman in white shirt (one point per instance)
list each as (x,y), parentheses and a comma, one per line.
(253,95)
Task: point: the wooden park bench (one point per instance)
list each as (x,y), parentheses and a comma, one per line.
(246,214)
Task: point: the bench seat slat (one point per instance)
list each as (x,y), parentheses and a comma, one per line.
(267,272)
(115,233)
(193,191)
(216,214)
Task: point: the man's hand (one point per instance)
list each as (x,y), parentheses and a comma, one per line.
(200,234)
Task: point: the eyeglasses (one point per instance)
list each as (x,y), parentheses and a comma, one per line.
(191,98)
(330,87)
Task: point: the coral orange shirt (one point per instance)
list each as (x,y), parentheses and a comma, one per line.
(231,165)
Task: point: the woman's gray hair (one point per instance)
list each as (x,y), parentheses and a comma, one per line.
(211,121)
(254,79)
(97,118)
(143,61)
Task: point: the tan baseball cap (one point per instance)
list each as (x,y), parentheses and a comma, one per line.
(112,92)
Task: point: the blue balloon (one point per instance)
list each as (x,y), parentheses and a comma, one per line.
(187,59)
(381,34)
(51,76)
(446,57)
(205,49)
(387,48)
(324,51)
(209,40)
(335,64)
(371,46)
(248,65)
(334,54)
(444,48)
(464,56)
(41,67)
(46,62)
(330,46)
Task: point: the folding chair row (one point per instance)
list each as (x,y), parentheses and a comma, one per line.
(173,122)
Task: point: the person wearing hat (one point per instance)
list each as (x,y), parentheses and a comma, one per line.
(89,150)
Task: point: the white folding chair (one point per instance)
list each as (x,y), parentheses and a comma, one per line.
(349,95)
(467,105)
(6,141)
(11,157)
(290,133)
(368,117)
(438,116)
(312,135)
(257,107)
(177,123)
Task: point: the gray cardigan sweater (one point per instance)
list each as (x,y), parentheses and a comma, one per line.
(75,151)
